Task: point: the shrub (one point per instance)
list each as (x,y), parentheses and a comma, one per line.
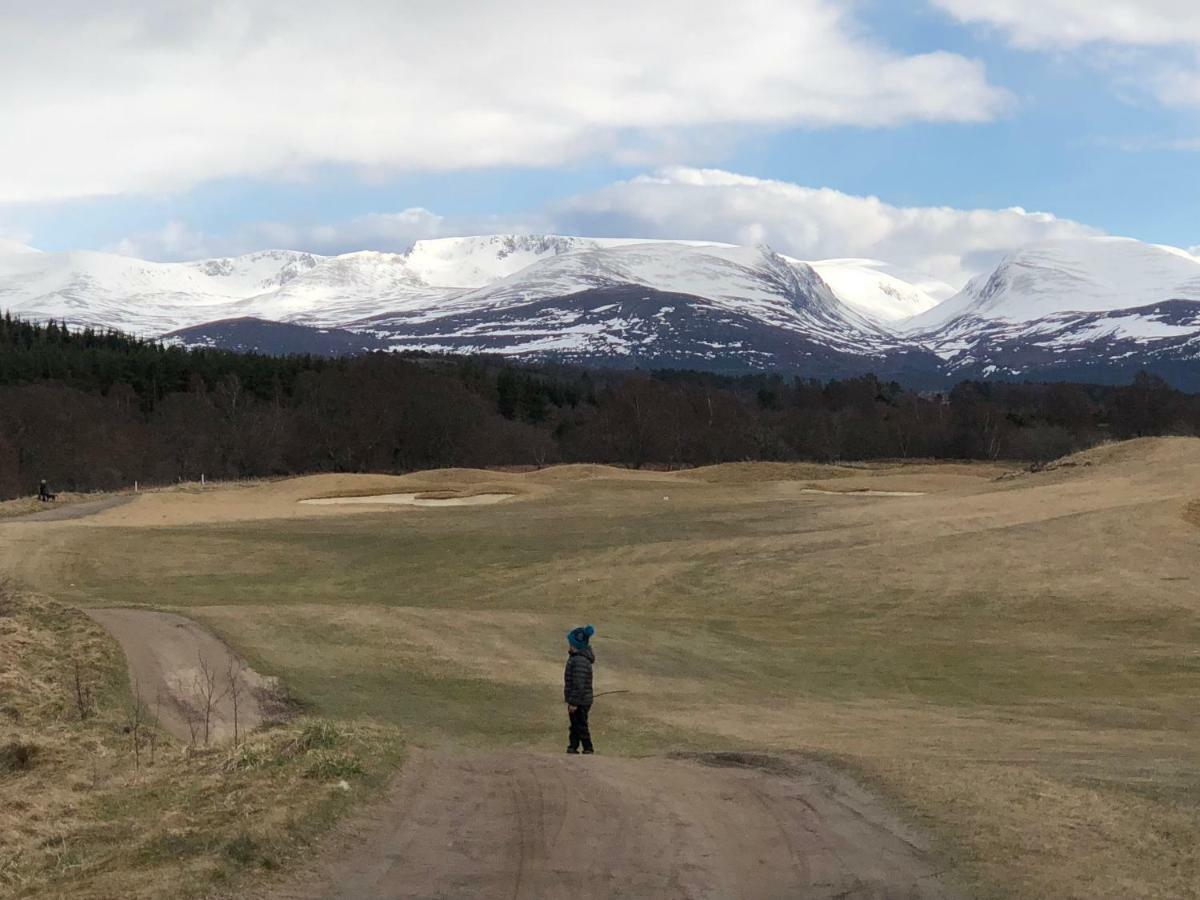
(242,849)
(16,757)
(248,756)
(325,764)
(318,734)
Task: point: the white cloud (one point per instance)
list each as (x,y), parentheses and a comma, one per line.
(1157,42)
(1073,23)
(1142,144)
(139,95)
(811,223)
(175,240)
(14,235)
(376,231)
(949,244)
(1179,87)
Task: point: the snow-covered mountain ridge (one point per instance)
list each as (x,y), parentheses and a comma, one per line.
(107,290)
(1099,305)
(1084,305)
(1080,275)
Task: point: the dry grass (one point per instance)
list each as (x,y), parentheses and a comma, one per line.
(1013,662)
(755,473)
(1192,513)
(78,817)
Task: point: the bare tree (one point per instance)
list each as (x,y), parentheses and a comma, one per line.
(137,718)
(208,693)
(191,717)
(540,453)
(153,737)
(236,689)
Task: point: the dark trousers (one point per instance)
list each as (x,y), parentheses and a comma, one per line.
(579,729)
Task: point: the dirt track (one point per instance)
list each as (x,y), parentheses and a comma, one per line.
(525,825)
(165,653)
(67,512)
(521,825)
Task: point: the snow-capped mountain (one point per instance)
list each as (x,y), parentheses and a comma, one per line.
(1098,308)
(108,290)
(609,300)
(1094,274)
(1080,305)
(709,305)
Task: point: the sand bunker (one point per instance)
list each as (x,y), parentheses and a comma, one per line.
(412,500)
(864,493)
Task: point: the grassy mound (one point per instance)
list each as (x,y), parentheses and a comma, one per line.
(97,802)
(1158,451)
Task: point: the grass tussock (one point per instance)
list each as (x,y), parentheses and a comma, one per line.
(16,757)
(82,814)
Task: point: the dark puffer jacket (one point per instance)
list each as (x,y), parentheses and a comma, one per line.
(577,680)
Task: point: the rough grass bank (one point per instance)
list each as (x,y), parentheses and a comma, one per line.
(97,802)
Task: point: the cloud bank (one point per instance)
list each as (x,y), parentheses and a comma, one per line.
(145,96)
(949,244)
(1159,40)
(1073,23)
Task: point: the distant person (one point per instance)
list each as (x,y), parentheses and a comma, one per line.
(577,687)
(44,492)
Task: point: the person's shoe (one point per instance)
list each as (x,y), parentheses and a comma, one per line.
(572,750)
(588,752)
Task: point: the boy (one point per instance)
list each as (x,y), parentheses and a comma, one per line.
(577,687)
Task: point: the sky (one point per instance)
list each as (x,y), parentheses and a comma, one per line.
(935,134)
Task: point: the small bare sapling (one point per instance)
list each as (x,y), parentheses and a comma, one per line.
(209,693)
(236,691)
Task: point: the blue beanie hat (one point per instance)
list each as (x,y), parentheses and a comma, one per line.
(579,637)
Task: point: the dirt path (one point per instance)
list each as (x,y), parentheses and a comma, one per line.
(167,656)
(518,825)
(72,510)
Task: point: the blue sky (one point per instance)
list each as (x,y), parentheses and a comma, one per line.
(527,118)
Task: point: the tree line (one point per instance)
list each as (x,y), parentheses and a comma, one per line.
(98,410)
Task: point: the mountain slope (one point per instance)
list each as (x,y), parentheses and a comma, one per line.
(1103,347)
(250,335)
(1095,274)
(706,306)
(739,280)
(882,292)
(110,291)
(1058,309)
